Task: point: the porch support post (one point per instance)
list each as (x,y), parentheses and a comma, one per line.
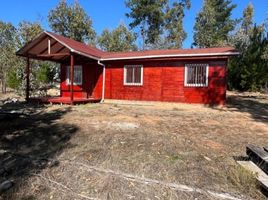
(27,79)
(72,79)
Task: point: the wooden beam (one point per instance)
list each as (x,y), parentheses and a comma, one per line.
(48,46)
(27,79)
(44,58)
(72,78)
(53,54)
(46,49)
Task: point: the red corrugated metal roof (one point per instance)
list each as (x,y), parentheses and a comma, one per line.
(97,54)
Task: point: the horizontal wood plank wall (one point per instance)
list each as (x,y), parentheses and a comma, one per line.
(215,93)
(90,83)
(164,81)
(65,89)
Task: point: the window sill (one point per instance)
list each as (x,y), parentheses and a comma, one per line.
(134,85)
(74,84)
(196,86)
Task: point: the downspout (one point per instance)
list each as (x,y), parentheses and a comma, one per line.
(103,82)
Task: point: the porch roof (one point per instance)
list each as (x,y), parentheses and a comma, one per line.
(54,47)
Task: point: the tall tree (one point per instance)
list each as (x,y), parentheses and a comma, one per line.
(72,21)
(7,51)
(174,24)
(247,21)
(214,24)
(249,70)
(149,14)
(254,66)
(41,71)
(160,22)
(120,39)
(27,31)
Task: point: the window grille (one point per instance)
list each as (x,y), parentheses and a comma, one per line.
(196,75)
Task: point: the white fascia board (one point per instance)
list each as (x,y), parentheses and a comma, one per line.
(86,55)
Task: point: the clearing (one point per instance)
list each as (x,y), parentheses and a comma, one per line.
(131,150)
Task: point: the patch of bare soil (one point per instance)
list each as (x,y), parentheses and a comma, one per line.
(123,150)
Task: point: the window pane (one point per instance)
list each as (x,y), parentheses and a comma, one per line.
(67,75)
(129,74)
(190,75)
(137,75)
(78,75)
(133,74)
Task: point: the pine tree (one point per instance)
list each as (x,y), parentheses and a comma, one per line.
(249,70)
(120,39)
(160,23)
(174,24)
(254,68)
(214,24)
(149,15)
(247,21)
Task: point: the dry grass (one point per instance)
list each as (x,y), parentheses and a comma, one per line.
(100,146)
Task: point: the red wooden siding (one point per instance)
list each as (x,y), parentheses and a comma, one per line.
(162,81)
(90,83)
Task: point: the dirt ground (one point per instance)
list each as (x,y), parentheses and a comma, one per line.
(131,150)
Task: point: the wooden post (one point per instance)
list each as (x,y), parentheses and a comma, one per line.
(72,78)
(27,79)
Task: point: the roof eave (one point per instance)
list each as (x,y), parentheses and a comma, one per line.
(20,51)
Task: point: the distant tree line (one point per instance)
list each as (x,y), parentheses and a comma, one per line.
(154,24)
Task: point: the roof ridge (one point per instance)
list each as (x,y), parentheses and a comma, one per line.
(181,49)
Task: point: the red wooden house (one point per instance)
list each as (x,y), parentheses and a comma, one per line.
(89,74)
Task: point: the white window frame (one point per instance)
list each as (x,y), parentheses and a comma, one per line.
(125,75)
(68,68)
(195,84)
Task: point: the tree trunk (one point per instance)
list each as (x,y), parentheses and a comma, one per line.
(4,83)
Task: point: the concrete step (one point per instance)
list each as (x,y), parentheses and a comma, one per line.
(259,156)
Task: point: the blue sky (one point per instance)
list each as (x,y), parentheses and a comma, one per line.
(109,13)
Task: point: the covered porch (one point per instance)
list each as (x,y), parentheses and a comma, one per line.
(70,55)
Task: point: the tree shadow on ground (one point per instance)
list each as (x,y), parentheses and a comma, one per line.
(30,139)
(255,106)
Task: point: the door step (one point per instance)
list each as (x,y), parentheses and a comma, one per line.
(260,175)
(257,163)
(259,156)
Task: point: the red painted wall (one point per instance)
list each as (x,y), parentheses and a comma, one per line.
(162,81)
(91,73)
